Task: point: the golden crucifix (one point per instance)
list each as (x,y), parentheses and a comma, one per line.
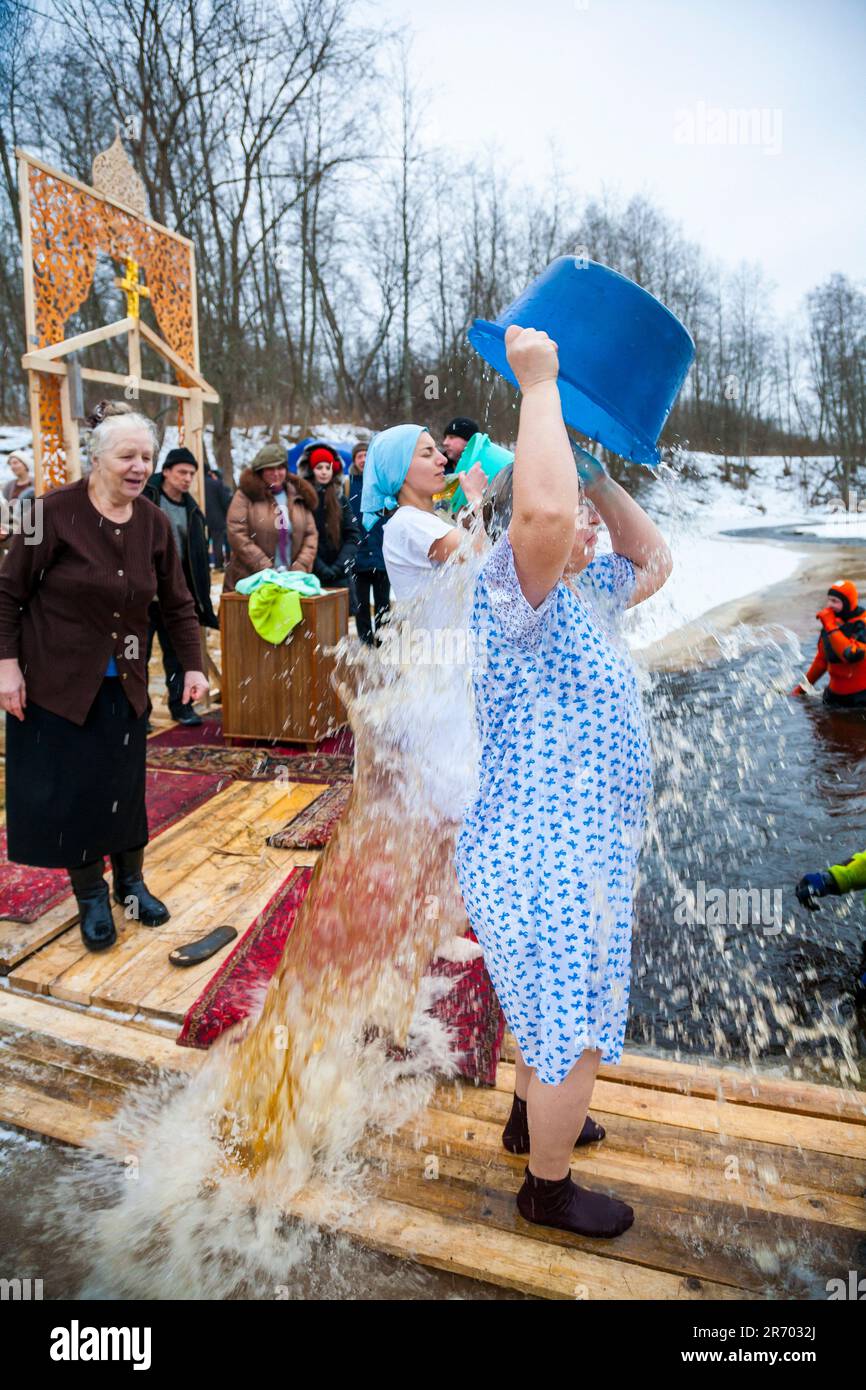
(132,288)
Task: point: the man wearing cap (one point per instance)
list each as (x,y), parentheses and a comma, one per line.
(455,437)
(841,648)
(170,491)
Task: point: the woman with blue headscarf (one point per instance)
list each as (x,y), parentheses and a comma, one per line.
(403,473)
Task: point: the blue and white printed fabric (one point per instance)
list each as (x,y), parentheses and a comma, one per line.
(548,850)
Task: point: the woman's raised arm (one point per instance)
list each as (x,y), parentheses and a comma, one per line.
(546,488)
(632,534)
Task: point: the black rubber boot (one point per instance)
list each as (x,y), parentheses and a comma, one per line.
(132,893)
(186,715)
(515,1136)
(567,1207)
(94,906)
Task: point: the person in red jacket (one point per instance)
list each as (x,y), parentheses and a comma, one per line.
(841,648)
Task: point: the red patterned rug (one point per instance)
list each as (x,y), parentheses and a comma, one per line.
(313,827)
(230,995)
(210,733)
(470,1009)
(474,1019)
(253,764)
(25,893)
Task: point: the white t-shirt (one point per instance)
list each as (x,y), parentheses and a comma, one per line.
(406,542)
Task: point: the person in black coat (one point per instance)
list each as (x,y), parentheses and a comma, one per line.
(217,496)
(371,576)
(339,532)
(170,491)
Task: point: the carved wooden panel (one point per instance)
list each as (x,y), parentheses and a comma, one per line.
(68,227)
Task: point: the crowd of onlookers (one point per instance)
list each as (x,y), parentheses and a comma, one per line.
(306,519)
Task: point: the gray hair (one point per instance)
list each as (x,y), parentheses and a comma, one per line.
(108,418)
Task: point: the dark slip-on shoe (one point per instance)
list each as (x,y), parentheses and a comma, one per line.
(194,952)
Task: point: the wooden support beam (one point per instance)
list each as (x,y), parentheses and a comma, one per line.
(158,388)
(133,344)
(174,358)
(193,419)
(82,340)
(36,428)
(71,442)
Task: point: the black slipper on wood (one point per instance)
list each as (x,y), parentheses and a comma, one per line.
(515,1136)
(194,952)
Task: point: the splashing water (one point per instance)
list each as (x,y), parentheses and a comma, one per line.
(343,1041)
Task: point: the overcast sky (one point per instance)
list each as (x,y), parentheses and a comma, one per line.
(637,95)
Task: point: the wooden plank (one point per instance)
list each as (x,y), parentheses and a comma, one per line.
(476,1249)
(788,1182)
(185,368)
(199,882)
(481,1251)
(99,1095)
(71,442)
(732,1121)
(36,430)
(26,1109)
(738,1085)
(75,1029)
(679,1233)
(53,352)
(39,971)
(729,1121)
(26,249)
(155,388)
(20,939)
(193,413)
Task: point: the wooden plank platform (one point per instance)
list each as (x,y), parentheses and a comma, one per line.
(738,1180)
(442,1190)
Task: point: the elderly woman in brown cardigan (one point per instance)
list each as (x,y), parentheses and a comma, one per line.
(271,519)
(74,601)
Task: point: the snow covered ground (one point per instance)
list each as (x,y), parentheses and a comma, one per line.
(710,568)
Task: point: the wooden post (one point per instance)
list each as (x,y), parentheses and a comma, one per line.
(193,419)
(71,442)
(32,338)
(36,427)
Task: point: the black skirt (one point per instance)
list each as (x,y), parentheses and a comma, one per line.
(76,792)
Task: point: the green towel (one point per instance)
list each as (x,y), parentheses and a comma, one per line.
(297,580)
(274,611)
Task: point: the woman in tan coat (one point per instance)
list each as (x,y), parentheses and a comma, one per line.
(271,519)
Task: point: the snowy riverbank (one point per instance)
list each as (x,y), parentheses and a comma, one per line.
(711,568)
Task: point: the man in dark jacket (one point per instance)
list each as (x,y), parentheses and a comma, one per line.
(370,571)
(170,491)
(217,497)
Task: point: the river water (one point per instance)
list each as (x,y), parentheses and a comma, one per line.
(753,789)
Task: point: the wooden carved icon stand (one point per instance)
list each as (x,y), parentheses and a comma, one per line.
(64,224)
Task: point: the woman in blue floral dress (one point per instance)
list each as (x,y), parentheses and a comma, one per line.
(547,854)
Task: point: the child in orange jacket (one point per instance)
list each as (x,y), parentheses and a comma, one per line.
(841,648)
